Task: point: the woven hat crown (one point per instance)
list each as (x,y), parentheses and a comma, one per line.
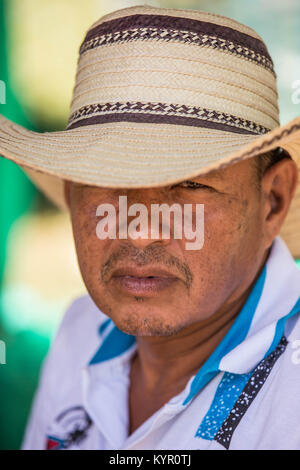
(188,67)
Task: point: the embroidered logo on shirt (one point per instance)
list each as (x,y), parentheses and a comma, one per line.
(70,428)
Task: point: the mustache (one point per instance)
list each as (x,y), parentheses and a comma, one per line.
(154,255)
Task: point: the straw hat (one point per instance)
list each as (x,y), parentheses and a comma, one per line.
(160,96)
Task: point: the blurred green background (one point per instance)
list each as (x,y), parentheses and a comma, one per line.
(38,55)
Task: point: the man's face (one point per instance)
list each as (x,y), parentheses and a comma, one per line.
(156,286)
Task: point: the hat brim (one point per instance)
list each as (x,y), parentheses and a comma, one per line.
(137,154)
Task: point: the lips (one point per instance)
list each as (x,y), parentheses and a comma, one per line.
(142,281)
(142,272)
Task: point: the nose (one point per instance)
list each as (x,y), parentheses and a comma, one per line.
(143,243)
(144,230)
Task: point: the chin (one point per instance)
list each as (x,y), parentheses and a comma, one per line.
(141,324)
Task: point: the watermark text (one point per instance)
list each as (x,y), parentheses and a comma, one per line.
(177,222)
(2,352)
(2,92)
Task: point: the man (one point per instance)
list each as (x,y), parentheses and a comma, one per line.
(172,348)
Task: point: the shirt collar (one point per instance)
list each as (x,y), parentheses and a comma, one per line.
(257,330)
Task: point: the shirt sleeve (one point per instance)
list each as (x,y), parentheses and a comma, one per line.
(79,326)
(34,437)
(43,402)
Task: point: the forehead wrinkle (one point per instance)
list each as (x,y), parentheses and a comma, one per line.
(213,174)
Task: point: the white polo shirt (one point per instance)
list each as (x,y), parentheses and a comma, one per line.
(245,396)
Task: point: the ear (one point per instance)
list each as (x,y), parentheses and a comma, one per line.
(278,185)
(67,192)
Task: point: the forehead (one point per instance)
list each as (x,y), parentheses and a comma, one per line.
(240,172)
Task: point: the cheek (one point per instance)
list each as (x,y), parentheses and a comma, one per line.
(232,223)
(230,240)
(90,250)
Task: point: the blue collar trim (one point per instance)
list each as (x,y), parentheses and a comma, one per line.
(280,327)
(114,344)
(233,338)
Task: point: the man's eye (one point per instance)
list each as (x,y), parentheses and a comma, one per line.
(192,185)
